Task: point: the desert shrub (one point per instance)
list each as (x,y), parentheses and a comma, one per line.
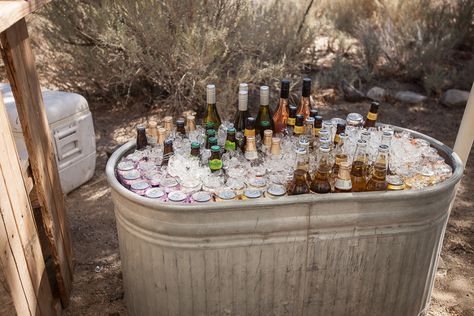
(413,39)
(169,50)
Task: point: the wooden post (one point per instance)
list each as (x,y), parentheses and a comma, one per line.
(19,62)
(21,257)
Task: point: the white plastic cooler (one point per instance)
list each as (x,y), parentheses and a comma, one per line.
(72,131)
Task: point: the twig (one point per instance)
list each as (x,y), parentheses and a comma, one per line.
(300,27)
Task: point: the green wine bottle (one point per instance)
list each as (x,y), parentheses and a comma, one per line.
(242,113)
(264,112)
(211,112)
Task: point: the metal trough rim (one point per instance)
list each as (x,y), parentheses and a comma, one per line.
(451,158)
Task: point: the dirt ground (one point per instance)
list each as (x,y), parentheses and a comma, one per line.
(98,281)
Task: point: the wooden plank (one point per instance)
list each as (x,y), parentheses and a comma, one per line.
(13,11)
(20,229)
(19,62)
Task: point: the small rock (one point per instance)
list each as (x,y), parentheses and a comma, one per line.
(409,97)
(377,93)
(455,98)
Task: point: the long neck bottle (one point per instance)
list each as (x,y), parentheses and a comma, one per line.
(242,113)
(340,155)
(298,185)
(343,179)
(211,112)
(372,115)
(281,114)
(264,112)
(320,183)
(142,141)
(167,152)
(304,106)
(359,167)
(378,180)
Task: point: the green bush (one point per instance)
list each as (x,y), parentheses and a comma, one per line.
(167,51)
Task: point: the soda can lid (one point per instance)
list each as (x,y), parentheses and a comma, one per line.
(131,175)
(257,182)
(252,194)
(154,193)
(169,182)
(395,180)
(125,166)
(141,185)
(177,196)
(227,195)
(201,196)
(277,190)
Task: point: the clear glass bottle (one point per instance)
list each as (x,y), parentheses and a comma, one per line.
(298,185)
(359,167)
(378,179)
(320,182)
(343,180)
(211,111)
(230,142)
(280,116)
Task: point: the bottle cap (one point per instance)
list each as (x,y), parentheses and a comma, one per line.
(383,148)
(180,122)
(293,110)
(243,87)
(299,119)
(140,128)
(362,143)
(354,119)
(231,130)
(216,148)
(264,95)
(168,142)
(265,124)
(310,120)
(324,148)
(301,151)
(285,89)
(243,100)
(313,113)
(212,141)
(195,145)
(250,123)
(211,132)
(210,125)
(211,94)
(306,87)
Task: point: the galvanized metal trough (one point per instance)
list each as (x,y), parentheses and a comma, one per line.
(334,254)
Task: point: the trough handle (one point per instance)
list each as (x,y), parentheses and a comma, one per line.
(465,137)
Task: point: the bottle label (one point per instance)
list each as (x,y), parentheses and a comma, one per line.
(229,145)
(343,184)
(215,164)
(291,121)
(316,131)
(337,138)
(372,116)
(299,130)
(249,132)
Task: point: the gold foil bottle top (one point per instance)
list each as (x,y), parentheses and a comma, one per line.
(251,145)
(161,135)
(267,138)
(168,123)
(275,148)
(191,123)
(152,128)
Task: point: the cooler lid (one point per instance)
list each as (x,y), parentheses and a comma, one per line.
(58,104)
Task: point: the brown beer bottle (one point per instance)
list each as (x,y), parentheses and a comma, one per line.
(304,107)
(142,141)
(298,185)
(180,129)
(195,149)
(215,161)
(378,181)
(340,129)
(320,183)
(167,152)
(299,125)
(210,133)
(281,114)
(359,167)
(372,115)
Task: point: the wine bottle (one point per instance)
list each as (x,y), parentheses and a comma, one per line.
(304,107)
(242,113)
(281,114)
(264,112)
(211,112)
